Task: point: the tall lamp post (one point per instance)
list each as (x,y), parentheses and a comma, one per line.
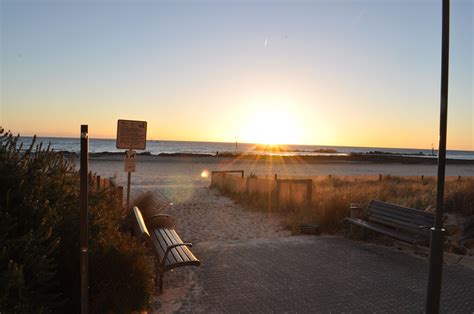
(437,232)
(84,229)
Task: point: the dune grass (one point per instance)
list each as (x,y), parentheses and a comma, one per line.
(332,197)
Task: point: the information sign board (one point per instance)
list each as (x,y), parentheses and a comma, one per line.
(131,134)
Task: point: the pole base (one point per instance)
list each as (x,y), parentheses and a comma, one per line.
(435,270)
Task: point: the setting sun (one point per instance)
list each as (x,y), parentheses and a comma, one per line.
(271,125)
(272,128)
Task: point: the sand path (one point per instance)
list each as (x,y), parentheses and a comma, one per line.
(207,219)
(207,216)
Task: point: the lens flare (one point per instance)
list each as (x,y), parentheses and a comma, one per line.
(205,173)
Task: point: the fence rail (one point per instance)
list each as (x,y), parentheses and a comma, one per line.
(100,184)
(284,192)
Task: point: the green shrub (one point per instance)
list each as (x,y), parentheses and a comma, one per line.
(39,234)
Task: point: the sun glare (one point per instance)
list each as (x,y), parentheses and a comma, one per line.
(272,127)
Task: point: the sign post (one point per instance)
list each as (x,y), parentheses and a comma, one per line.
(130,165)
(131,135)
(84,204)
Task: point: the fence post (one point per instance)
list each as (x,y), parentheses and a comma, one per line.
(278,194)
(120,196)
(309,192)
(98,183)
(90,178)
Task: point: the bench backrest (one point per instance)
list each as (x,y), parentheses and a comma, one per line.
(140,227)
(400,217)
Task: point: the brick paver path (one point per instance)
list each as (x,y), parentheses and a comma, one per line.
(308,274)
(283,273)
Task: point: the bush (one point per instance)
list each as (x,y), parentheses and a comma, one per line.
(39,234)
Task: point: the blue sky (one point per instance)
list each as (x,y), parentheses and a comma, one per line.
(324,72)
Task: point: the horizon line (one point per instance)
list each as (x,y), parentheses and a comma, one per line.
(197,141)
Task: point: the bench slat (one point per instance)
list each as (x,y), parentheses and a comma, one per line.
(396,221)
(173,252)
(420,232)
(186,252)
(404,222)
(411,211)
(162,245)
(170,258)
(190,255)
(175,239)
(389,219)
(403,211)
(383,230)
(401,215)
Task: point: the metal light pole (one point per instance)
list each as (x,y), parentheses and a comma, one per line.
(84,203)
(437,233)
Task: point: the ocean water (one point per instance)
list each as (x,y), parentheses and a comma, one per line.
(211,148)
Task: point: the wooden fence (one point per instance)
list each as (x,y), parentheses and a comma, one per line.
(101,184)
(285,193)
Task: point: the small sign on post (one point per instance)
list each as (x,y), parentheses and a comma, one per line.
(131,135)
(130,162)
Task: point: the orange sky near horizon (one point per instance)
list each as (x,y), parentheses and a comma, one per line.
(282,124)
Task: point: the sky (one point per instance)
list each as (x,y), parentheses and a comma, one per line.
(353,73)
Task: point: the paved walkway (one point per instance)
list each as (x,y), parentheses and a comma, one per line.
(307,274)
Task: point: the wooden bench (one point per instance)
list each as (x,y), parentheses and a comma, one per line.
(402,223)
(169,249)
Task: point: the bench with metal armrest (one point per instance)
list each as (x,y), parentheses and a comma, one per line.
(169,249)
(399,222)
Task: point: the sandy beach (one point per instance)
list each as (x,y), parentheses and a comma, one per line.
(168,172)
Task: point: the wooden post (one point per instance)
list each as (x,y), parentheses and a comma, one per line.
(276,176)
(309,191)
(128,189)
(84,203)
(90,178)
(129,178)
(354,213)
(278,194)
(380,177)
(120,196)
(98,183)
(422,178)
